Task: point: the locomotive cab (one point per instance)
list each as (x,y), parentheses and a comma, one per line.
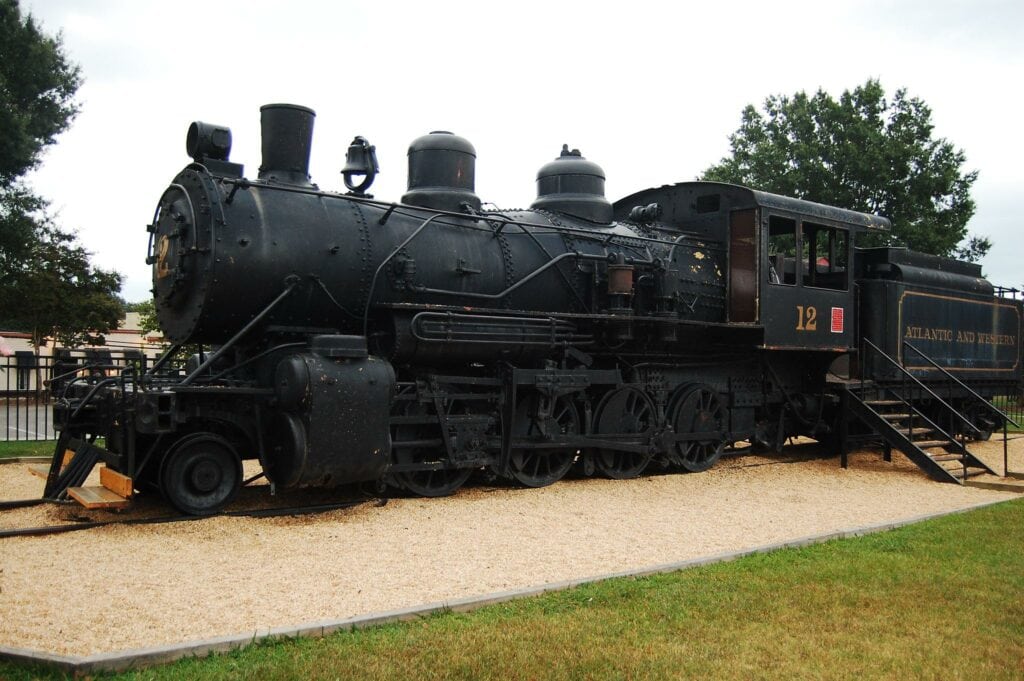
(788,264)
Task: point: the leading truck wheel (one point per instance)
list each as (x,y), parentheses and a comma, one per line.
(201,474)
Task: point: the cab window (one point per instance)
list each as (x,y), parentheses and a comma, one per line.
(783,258)
(825,256)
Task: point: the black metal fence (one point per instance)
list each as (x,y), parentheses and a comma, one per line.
(27,383)
(1012,406)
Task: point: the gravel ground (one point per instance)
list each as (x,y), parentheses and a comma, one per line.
(117,588)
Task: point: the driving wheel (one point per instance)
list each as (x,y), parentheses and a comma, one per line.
(623,411)
(698,412)
(539,467)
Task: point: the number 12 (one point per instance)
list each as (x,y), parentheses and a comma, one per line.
(806,319)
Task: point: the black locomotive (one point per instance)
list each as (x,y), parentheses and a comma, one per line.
(347,339)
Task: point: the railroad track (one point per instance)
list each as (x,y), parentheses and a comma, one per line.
(803,451)
(45,530)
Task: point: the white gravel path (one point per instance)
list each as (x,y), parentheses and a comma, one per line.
(117,588)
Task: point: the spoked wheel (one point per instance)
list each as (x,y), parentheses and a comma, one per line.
(623,411)
(541,467)
(200,474)
(698,410)
(434,482)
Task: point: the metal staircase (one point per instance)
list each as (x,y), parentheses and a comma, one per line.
(893,411)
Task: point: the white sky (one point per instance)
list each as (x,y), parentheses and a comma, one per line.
(649,90)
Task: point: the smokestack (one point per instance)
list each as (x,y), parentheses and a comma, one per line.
(287,139)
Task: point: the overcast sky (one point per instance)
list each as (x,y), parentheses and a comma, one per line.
(649,90)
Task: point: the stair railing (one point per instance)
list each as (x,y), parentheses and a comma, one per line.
(915,384)
(921,386)
(951,379)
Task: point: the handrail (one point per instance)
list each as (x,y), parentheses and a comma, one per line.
(921,385)
(961,384)
(291,282)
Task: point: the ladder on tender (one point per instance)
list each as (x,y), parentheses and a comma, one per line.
(894,413)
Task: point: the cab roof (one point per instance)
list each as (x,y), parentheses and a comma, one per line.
(686,201)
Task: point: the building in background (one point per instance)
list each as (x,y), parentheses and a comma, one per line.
(22,370)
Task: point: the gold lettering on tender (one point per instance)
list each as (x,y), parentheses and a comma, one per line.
(926,333)
(966,337)
(996,338)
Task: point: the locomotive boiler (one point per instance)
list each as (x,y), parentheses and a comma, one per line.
(338,338)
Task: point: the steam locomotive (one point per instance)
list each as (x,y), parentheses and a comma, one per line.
(342,338)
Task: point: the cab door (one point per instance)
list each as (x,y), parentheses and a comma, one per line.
(743,252)
(807,292)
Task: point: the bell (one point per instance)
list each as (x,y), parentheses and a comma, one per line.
(361,159)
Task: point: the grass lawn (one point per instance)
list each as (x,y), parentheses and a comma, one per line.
(940,599)
(26,448)
(1013,409)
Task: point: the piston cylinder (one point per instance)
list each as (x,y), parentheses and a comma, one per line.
(331,422)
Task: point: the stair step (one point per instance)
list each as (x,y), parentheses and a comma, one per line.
(929,444)
(895,417)
(958,473)
(882,403)
(948,457)
(916,431)
(97,497)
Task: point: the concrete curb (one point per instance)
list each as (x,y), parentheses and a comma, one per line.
(138,658)
(1008,484)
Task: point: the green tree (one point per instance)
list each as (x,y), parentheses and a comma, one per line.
(62,296)
(36,93)
(863,152)
(47,285)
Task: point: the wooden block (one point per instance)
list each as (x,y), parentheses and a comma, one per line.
(68,455)
(97,497)
(117,483)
